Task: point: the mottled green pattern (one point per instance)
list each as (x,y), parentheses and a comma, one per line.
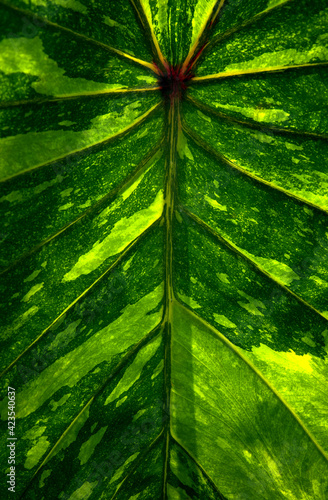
(36,65)
(111,23)
(293,163)
(117,312)
(238,13)
(51,134)
(265,454)
(177,24)
(61,270)
(241,210)
(164,258)
(248,307)
(295,102)
(295,34)
(62,194)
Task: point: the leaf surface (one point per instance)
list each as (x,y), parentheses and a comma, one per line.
(164,248)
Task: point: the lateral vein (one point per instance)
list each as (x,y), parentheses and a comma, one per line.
(254,124)
(204,472)
(91,147)
(238,353)
(80,35)
(209,21)
(129,247)
(200,141)
(68,97)
(109,197)
(148,28)
(239,252)
(248,22)
(134,350)
(254,71)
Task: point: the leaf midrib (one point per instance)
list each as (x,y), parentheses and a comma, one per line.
(173,123)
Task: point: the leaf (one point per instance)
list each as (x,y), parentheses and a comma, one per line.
(164,249)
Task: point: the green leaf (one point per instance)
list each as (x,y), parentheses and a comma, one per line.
(164,249)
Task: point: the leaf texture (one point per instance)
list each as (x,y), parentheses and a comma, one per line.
(164,248)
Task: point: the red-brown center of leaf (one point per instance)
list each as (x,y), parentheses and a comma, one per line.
(173,81)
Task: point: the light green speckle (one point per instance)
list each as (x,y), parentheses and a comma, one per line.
(94,426)
(215,204)
(120,471)
(66,123)
(86,204)
(308,341)
(32,276)
(66,206)
(138,415)
(189,300)
(147,79)
(224,321)
(84,492)
(159,368)
(33,291)
(35,432)
(178,216)
(114,24)
(56,404)
(66,192)
(293,147)
(36,452)
(183,148)
(308,211)
(89,446)
(46,473)
(223,278)
(121,401)
(12,197)
(252,305)
(128,263)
